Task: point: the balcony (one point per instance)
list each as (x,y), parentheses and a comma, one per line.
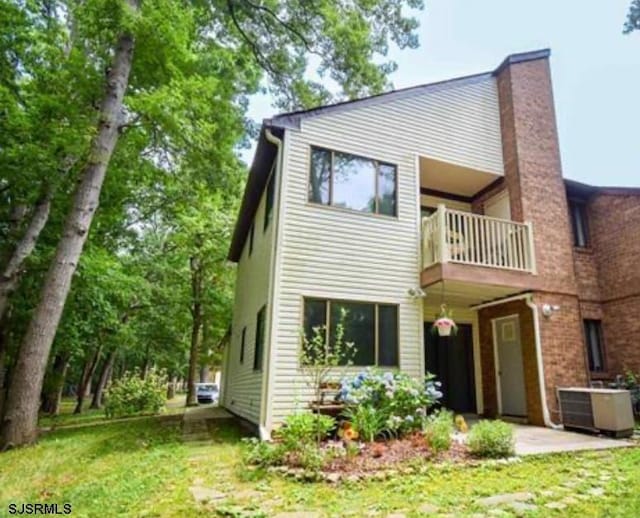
(466,238)
(467,249)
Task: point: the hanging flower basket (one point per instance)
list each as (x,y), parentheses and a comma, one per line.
(444,324)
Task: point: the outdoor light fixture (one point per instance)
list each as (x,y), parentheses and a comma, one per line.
(417,293)
(548,310)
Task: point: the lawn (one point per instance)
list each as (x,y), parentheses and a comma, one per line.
(66,417)
(142,468)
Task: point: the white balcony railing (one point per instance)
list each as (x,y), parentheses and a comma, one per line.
(463,237)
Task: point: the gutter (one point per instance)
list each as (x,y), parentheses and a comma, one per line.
(528,298)
(264,422)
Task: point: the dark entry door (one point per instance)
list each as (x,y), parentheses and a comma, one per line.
(450,358)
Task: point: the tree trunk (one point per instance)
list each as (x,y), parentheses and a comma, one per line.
(20,420)
(85,380)
(105,374)
(53,394)
(171,388)
(196,325)
(12,271)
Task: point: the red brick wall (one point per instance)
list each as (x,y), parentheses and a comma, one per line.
(586,269)
(533,171)
(614,224)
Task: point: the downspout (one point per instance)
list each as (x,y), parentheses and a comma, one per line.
(264,430)
(528,298)
(546,417)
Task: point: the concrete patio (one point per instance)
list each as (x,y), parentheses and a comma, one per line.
(533,440)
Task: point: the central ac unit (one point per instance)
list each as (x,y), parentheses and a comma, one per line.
(597,410)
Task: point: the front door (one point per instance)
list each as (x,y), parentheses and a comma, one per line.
(509,366)
(450,358)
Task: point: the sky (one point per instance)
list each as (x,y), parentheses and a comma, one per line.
(595,71)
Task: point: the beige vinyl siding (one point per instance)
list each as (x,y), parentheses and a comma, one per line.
(434,201)
(333,253)
(242,385)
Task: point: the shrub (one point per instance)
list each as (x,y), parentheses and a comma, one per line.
(132,395)
(397,397)
(262,453)
(492,439)
(438,430)
(304,428)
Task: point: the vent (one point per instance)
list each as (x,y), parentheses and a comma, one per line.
(576,408)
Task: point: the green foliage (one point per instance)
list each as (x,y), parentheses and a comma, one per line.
(493,439)
(438,430)
(304,428)
(262,453)
(132,395)
(633,17)
(368,420)
(396,397)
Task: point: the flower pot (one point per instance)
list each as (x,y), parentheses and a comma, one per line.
(444,326)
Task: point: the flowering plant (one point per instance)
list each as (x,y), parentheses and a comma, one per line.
(398,401)
(444,324)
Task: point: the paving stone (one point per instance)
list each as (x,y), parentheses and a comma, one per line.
(547,493)
(522,507)
(571,483)
(596,491)
(428,509)
(555,505)
(507,498)
(397,515)
(206,494)
(247,494)
(570,500)
(298,514)
(333,477)
(499,512)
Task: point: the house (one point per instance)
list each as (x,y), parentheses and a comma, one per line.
(452,189)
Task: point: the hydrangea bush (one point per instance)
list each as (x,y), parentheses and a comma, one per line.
(397,399)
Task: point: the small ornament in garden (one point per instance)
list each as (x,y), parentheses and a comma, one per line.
(444,324)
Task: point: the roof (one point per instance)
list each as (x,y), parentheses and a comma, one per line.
(266,151)
(585,191)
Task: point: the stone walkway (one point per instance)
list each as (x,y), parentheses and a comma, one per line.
(194,422)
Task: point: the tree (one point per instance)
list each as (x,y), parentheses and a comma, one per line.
(176,85)
(633,18)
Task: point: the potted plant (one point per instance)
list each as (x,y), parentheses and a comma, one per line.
(444,324)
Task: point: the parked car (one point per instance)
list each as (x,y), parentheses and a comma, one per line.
(207,393)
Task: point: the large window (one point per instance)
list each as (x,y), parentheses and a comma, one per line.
(258,352)
(268,210)
(579,223)
(595,346)
(352,182)
(373,328)
(242,344)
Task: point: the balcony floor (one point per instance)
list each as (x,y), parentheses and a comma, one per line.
(468,285)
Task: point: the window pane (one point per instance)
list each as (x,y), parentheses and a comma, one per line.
(387,189)
(354,183)
(315,314)
(579,223)
(388,336)
(358,328)
(319,176)
(593,334)
(258,352)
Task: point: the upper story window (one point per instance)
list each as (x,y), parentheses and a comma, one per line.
(595,345)
(268,210)
(579,223)
(242,344)
(372,328)
(251,232)
(352,182)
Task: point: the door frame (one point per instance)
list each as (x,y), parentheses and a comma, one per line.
(496,360)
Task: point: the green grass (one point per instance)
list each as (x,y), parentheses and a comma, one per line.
(141,468)
(66,417)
